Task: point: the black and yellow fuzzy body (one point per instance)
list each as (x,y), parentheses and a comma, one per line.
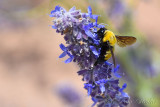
(107,44)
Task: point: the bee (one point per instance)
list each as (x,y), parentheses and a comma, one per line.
(107,44)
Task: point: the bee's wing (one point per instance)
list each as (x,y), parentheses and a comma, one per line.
(123,41)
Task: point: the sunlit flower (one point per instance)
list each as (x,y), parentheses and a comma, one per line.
(102,81)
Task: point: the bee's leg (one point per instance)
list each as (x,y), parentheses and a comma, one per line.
(113,58)
(101,58)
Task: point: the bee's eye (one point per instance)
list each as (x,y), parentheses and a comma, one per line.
(103,30)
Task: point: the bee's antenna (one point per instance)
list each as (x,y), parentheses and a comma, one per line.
(104,24)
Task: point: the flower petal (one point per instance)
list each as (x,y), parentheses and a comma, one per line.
(121,90)
(62,47)
(79,36)
(89,91)
(115,71)
(54,27)
(72,9)
(89,33)
(94,17)
(89,10)
(63,55)
(84,36)
(123,87)
(108,63)
(95,101)
(94,50)
(117,67)
(82,72)
(102,87)
(125,94)
(68,60)
(117,75)
(57,8)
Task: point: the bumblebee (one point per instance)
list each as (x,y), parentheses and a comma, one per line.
(107,44)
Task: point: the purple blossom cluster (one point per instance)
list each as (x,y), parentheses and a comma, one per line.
(69,95)
(102,81)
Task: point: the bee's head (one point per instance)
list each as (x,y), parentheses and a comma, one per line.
(101,32)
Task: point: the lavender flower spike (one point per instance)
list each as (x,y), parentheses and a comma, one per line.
(78,31)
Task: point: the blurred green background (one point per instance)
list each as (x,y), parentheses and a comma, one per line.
(31,73)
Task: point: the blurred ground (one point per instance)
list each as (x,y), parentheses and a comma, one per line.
(29,49)
(30,68)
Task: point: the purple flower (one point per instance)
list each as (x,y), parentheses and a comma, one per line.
(89,87)
(102,81)
(101,84)
(65,52)
(68,94)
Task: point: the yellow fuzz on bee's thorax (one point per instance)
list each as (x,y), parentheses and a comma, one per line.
(109,36)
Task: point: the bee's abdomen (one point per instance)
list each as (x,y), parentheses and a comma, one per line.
(108,54)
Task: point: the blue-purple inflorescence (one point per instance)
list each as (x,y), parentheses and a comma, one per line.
(68,94)
(102,81)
